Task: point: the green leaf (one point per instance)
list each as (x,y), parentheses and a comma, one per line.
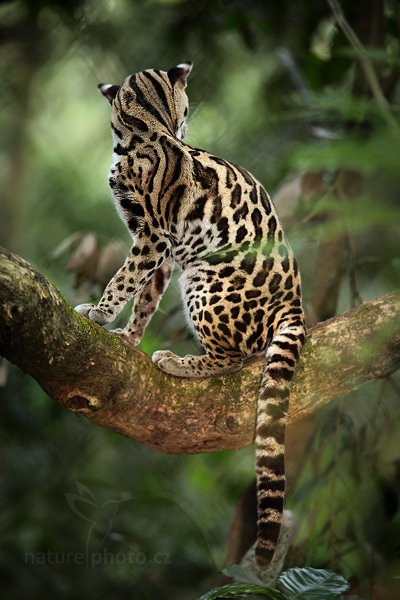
(233,591)
(311,584)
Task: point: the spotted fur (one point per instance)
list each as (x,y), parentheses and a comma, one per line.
(240,282)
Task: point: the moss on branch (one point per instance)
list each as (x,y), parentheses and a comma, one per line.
(90,371)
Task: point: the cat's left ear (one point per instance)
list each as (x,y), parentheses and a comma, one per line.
(108,90)
(180,73)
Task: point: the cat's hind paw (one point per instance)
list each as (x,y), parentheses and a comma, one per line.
(168,362)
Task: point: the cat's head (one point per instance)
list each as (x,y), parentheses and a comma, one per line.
(150,100)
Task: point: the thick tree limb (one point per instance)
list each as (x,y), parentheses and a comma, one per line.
(90,371)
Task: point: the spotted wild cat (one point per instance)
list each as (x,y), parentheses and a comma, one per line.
(240,281)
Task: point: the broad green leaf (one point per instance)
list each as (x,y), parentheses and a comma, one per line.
(311,584)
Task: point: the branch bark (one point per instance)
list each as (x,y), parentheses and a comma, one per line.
(92,372)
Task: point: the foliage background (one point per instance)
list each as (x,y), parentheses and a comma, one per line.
(278,88)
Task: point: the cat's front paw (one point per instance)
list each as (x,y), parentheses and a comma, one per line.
(93,313)
(131,339)
(168,362)
(84,309)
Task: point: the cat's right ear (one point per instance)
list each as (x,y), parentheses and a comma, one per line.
(180,73)
(108,90)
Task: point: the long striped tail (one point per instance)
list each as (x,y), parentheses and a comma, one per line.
(272,410)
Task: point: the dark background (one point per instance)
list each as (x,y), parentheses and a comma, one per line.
(312,110)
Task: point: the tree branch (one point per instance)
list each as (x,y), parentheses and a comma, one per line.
(90,371)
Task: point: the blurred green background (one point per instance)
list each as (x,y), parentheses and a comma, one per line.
(312,110)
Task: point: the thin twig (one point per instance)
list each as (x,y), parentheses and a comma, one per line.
(365,62)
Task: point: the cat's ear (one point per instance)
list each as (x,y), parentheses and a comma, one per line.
(108,90)
(180,73)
